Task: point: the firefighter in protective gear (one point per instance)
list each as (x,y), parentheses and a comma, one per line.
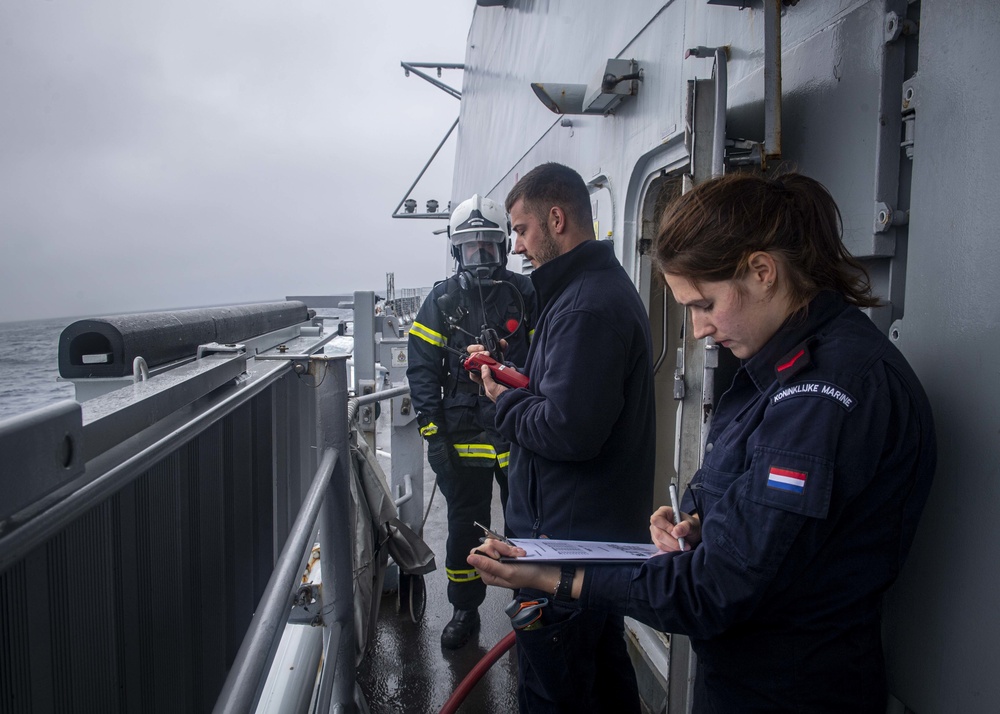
(483,300)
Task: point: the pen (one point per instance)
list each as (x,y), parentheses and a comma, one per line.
(677,513)
(492,534)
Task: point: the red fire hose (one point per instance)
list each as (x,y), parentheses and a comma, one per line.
(473,677)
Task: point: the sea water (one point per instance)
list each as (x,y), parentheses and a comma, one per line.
(29,366)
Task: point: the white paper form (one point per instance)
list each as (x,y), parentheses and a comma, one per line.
(552,550)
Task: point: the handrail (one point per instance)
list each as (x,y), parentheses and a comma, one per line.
(354,402)
(407,491)
(247,675)
(382,394)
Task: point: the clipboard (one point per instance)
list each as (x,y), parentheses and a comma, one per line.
(582,552)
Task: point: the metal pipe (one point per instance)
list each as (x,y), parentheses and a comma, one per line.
(383,394)
(140,370)
(718,169)
(772,79)
(433,65)
(444,214)
(721,99)
(284,357)
(663,348)
(354,402)
(248,673)
(337,680)
(46,524)
(708,393)
(411,67)
(407,491)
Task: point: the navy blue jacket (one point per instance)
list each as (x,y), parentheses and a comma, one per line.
(581,433)
(819,461)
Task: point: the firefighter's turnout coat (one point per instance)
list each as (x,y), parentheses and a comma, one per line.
(446,400)
(449,404)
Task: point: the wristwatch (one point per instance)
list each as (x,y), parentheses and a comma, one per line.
(564,590)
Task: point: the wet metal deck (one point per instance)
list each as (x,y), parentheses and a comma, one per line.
(407,671)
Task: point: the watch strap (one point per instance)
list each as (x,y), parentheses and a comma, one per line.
(564,591)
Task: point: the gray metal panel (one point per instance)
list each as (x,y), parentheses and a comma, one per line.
(832,77)
(208,579)
(833,88)
(113,417)
(943,626)
(520,32)
(40,452)
(508,131)
(140,602)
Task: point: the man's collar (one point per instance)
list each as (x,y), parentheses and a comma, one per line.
(550,278)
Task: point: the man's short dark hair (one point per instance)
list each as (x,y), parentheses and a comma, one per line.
(551,185)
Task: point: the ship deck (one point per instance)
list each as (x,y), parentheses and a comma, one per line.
(406,670)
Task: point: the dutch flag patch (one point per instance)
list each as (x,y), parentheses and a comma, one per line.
(786,480)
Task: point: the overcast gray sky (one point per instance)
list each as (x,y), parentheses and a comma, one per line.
(179,154)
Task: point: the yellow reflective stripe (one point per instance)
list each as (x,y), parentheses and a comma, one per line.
(531,334)
(429,430)
(503,459)
(461,576)
(476,451)
(427,334)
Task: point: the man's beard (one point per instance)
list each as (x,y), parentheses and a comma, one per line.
(547,248)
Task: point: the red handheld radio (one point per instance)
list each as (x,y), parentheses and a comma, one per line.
(501,373)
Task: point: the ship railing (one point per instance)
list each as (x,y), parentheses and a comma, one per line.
(160,527)
(242,688)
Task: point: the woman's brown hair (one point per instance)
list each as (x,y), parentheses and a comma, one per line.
(709,233)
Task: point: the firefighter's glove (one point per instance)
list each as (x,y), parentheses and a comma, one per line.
(439,456)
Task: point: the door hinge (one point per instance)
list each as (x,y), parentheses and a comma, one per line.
(909,111)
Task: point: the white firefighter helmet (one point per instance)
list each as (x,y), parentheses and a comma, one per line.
(479,230)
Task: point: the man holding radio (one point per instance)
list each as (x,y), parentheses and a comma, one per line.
(582,436)
(482,302)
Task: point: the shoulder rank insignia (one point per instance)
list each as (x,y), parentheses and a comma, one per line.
(793,362)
